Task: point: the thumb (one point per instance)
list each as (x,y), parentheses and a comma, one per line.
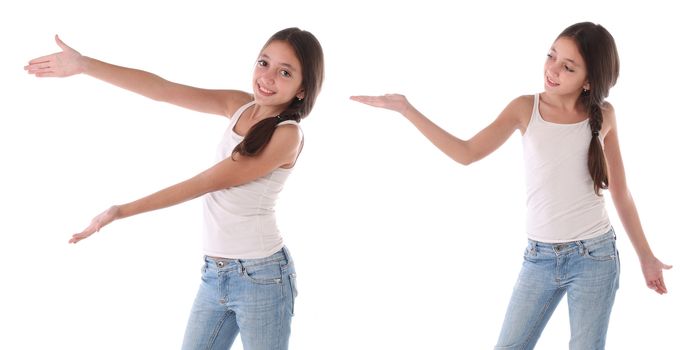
(61,44)
(667,267)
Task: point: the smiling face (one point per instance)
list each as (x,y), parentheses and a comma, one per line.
(565,69)
(277,78)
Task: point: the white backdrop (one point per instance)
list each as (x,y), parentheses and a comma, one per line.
(396,246)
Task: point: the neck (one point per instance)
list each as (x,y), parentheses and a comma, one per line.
(568,103)
(258,112)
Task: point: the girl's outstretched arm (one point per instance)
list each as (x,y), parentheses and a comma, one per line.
(651,267)
(281,151)
(462,151)
(69,62)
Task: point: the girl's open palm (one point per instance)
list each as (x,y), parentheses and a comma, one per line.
(60,64)
(97,223)
(395,102)
(653,274)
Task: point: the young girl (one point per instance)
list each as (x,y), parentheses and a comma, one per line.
(571,154)
(248,282)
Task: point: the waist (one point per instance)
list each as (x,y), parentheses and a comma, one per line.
(281,256)
(571,246)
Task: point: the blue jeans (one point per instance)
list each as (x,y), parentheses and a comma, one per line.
(252,297)
(587,271)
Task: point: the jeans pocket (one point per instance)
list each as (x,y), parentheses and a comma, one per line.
(604,251)
(263,274)
(294,291)
(530,253)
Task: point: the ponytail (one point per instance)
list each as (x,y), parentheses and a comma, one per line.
(596,157)
(259,135)
(598,49)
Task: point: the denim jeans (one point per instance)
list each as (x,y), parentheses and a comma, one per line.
(587,271)
(252,297)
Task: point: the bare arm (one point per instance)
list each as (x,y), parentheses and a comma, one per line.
(651,267)
(462,151)
(281,151)
(70,62)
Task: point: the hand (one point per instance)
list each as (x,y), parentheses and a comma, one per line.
(97,223)
(653,274)
(395,102)
(60,64)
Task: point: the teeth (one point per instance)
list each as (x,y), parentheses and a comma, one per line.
(261,88)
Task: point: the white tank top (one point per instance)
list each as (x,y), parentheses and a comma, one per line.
(239,222)
(562,204)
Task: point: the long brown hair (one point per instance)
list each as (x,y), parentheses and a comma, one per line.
(309,52)
(597,47)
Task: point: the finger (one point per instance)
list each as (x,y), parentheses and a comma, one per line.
(76,238)
(369,100)
(42,59)
(38,66)
(49,74)
(662,285)
(667,267)
(358,98)
(657,287)
(44,72)
(82,235)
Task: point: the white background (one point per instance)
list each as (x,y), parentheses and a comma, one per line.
(396,246)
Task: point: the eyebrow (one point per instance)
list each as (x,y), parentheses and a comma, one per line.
(287,65)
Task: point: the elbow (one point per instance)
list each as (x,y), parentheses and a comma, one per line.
(158,90)
(463,154)
(465,160)
(158,94)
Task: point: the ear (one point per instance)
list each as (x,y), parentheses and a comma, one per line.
(586,86)
(300,94)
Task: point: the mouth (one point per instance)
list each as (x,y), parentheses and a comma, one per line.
(550,83)
(264,91)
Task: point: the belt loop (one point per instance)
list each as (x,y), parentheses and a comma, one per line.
(287,255)
(240,266)
(581,248)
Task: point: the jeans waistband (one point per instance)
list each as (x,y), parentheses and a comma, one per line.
(572,245)
(281,255)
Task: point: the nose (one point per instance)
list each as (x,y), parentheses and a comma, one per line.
(554,69)
(268,77)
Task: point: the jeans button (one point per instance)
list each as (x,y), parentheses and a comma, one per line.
(220,263)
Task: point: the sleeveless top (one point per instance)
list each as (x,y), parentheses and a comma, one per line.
(240,221)
(561,203)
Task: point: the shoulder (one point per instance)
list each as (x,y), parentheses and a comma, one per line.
(519,110)
(284,144)
(234,99)
(609,114)
(522,103)
(607,109)
(287,135)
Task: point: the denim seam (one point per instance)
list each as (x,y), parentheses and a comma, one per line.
(540,318)
(261,263)
(216,330)
(269,281)
(283,325)
(613,256)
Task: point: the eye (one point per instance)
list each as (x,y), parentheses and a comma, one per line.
(262,63)
(568,69)
(549,56)
(285,73)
